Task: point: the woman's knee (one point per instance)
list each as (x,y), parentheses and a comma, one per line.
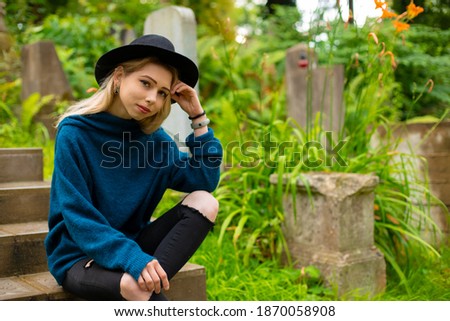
(204,202)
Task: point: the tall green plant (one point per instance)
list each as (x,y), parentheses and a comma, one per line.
(22,130)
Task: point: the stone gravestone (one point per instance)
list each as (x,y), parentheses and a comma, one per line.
(42,72)
(179,26)
(430,143)
(330,225)
(313,89)
(5,40)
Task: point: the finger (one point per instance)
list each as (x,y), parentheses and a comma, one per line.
(183,89)
(148,277)
(175,96)
(156,281)
(163,276)
(177,87)
(142,284)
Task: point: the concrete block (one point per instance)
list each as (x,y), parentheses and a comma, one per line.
(189,284)
(21,164)
(333,229)
(24,201)
(22,248)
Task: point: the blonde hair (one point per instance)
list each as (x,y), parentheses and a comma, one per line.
(102,99)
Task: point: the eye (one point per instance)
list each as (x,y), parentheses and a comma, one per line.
(145,83)
(163,94)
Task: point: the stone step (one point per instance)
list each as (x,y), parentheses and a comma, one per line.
(21,164)
(24,274)
(24,201)
(22,248)
(189,284)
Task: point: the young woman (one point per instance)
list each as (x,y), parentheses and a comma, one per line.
(113,163)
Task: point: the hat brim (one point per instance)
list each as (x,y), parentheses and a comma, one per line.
(187,69)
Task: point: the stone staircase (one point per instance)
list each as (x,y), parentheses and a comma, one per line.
(24,205)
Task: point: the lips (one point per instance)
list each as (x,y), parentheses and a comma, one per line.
(143,109)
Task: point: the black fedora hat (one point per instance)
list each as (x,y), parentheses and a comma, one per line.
(150,45)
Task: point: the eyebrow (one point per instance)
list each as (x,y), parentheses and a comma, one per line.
(147,76)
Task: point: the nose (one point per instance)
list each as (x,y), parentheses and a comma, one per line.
(151,96)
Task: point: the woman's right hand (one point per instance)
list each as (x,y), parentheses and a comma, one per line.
(152,276)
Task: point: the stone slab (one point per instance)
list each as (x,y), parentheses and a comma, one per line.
(21,164)
(188,285)
(177,24)
(14,288)
(359,272)
(313,91)
(42,73)
(24,201)
(424,138)
(22,248)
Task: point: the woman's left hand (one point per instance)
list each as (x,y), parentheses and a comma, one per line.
(187,98)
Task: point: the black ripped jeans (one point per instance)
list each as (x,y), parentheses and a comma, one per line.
(172,239)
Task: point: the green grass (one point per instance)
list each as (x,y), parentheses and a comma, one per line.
(429,281)
(229,280)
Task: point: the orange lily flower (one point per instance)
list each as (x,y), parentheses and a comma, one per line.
(413,10)
(400,26)
(379,4)
(388,14)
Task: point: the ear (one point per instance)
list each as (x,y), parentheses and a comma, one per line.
(118,74)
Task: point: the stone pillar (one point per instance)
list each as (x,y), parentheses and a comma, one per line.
(312,90)
(42,72)
(333,229)
(179,26)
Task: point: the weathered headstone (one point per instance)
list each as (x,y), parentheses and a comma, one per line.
(42,72)
(179,26)
(333,229)
(5,39)
(126,34)
(429,144)
(314,89)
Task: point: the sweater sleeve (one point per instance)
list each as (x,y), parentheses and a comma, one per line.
(72,203)
(201,169)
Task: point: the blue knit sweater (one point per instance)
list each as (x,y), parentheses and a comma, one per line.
(108,179)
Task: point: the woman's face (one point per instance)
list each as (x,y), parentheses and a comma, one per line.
(142,93)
